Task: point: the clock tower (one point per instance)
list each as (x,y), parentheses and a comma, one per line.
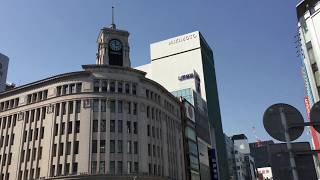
(113,46)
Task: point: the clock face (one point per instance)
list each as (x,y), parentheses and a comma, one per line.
(115,45)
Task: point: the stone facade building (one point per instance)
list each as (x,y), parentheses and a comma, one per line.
(106,122)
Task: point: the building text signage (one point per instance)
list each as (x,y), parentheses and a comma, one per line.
(186,76)
(182,39)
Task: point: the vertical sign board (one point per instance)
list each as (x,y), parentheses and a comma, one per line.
(189,111)
(213,164)
(309,101)
(314,133)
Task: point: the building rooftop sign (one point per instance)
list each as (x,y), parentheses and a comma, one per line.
(175,45)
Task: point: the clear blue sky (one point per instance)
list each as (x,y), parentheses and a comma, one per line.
(252,40)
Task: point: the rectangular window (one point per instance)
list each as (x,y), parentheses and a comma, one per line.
(53,168)
(22,155)
(79,87)
(112,146)
(134,89)
(112,167)
(37,117)
(119,168)
(61,149)
(95,125)
(102,167)
(96,85)
(149,150)
(129,107)
(2,138)
(75,168)
(72,88)
(15,119)
(119,126)
(56,129)
(34,154)
(68,148)
(103,105)
(30,137)
(44,111)
(112,106)
(70,127)
(54,150)
(58,93)
(154,150)
(78,106)
(62,125)
(12,139)
(9,159)
(136,167)
(67,168)
(41,132)
(94,146)
(158,133)
(104,86)
(5,156)
(57,109)
(119,106)
(103,125)
(37,173)
(70,107)
(112,125)
(135,147)
(153,133)
(119,87)
(102,146)
(119,146)
(77,129)
(64,108)
(148,130)
(127,88)
(112,86)
(96,105)
(129,167)
(129,127)
(94,167)
(135,107)
(152,113)
(76,148)
(129,144)
(135,127)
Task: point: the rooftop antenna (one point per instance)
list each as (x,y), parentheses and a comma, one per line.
(113,25)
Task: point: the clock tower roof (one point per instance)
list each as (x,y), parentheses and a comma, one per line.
(113,46)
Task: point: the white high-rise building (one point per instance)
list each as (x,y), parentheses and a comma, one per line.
(185,66)
(308,14)
(4,61)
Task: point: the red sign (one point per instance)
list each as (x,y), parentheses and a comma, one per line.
(314,133)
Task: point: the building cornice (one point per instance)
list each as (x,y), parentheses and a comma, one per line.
(43,82)
(88,70)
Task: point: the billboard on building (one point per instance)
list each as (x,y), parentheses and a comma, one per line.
(189,111)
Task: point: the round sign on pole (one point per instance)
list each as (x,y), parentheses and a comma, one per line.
(274,126)
(315,116)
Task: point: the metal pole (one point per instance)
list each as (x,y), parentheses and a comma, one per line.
(288,142)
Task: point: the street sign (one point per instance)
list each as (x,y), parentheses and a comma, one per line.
(315,116)
(274,126)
